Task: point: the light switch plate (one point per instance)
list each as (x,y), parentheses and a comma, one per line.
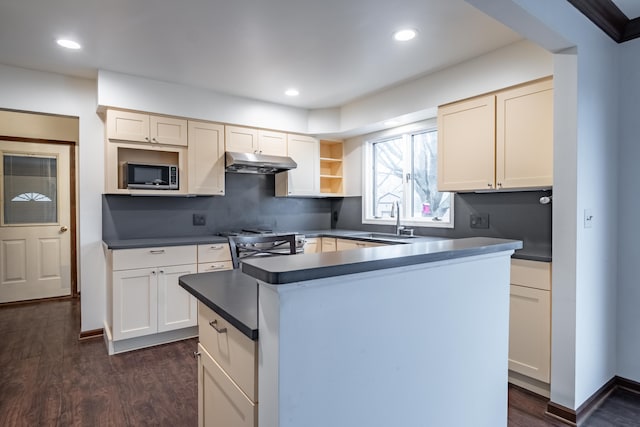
(588,218)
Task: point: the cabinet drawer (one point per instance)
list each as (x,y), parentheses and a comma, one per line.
(532,274)
(214,266)
(126,259)
(214,252)
(233,351)
(220,402)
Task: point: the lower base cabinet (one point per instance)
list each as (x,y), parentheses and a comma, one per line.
(220,402)
(227,373)
(530,325)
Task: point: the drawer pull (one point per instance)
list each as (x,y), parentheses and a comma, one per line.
(216,248)
(216,267)
(157,251)
(214,325)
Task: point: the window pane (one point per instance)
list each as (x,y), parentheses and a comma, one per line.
(426,201)
(30,189)
(387,176)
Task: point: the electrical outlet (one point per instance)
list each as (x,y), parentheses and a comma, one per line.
(479,220)
(199,219)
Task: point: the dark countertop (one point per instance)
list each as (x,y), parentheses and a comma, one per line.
(530,252)
(163,241)
(290,269)
(231,293)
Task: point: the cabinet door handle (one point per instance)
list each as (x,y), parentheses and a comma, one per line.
(214,325)
(157,251)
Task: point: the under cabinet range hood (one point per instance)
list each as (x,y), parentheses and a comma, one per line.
(257,163)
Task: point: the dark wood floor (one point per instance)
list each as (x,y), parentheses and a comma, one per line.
(49,378)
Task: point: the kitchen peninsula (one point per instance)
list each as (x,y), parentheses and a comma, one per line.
(409,335)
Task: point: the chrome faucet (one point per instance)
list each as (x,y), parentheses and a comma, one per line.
(399,227)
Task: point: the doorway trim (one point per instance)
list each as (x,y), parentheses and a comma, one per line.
(72,203)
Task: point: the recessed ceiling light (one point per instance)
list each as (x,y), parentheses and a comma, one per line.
(292,92)
(404,35)
(69,44)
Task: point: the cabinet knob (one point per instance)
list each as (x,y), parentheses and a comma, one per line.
(489,185)
(146,138)
(499,185)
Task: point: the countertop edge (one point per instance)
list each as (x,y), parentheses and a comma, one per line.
(246,330)
(378,259)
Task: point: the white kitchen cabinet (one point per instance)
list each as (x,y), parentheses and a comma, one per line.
(530,325)
(206,158)
(147,139)
(331,168)
(214,257)
(502,140)
(304,180)
(347,244)
(312,245)
(227,373)
(328,244)
(144,296)
(249,140)
(141,127)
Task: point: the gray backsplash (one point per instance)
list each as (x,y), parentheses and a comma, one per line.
(250,202)
(512,215)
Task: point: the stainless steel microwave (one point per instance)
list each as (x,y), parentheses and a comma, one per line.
(150,176)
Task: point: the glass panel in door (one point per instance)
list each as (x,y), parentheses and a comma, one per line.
(30,189)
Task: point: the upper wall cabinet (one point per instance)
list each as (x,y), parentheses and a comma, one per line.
(304,180)
(498,141)
(249,140)
(206,158)
(140,127)
(331,176)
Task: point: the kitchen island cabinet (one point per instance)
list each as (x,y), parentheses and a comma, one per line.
(322,319)
(227,373)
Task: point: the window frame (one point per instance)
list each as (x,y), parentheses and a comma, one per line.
(405,132)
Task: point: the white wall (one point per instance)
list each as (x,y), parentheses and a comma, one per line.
(585,174)
(628,336)
(54,94)
(519,62)
(136,93)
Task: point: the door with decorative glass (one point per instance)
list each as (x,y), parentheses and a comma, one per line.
(35,251)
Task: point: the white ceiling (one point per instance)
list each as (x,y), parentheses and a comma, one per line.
(631,8)
(333,51)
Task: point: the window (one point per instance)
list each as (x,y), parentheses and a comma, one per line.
(401,170)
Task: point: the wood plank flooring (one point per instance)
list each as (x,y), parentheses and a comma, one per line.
(50,378)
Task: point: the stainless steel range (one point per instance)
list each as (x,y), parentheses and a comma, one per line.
(256,242)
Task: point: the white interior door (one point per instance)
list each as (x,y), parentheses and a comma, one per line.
(35,246)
